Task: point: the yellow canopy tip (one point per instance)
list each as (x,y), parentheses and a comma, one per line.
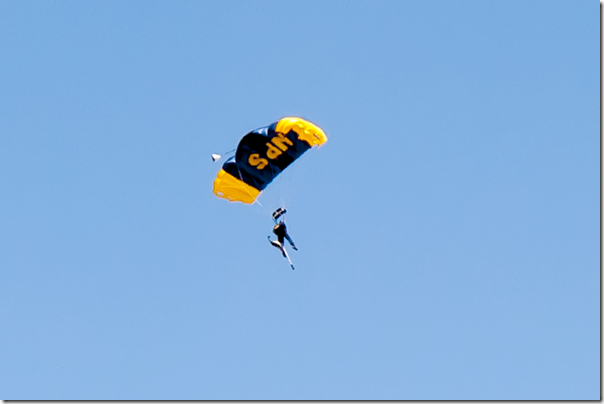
(306,131)
(233,189)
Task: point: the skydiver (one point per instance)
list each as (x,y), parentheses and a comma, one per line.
(281,231)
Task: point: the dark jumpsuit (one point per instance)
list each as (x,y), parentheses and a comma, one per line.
(281,231)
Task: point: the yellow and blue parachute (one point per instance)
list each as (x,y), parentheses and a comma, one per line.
(261,156)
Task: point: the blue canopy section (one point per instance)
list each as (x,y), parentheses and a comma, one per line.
(262,154)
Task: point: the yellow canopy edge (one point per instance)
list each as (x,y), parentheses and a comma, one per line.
(228,187)
(308,132)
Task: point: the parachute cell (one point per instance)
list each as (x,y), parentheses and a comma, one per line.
(262,155)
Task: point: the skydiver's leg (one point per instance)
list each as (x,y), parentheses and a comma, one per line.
(278,245)
(288,259)
(291,242)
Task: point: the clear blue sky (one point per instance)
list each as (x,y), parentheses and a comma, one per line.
(449,231)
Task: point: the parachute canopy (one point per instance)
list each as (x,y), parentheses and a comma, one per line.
(262,154)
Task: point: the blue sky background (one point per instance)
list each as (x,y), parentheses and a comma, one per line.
(449,231)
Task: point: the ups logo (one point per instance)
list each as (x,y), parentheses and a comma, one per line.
(276,147)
